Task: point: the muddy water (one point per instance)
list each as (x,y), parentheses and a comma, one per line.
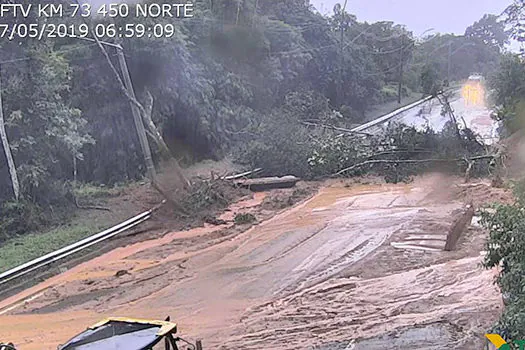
(108,264)
(277,285)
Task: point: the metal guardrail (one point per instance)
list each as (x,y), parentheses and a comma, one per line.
(394,113)
(390,115)
(47,259)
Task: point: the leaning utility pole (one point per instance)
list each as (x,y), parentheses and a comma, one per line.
(7,149)
(139,124)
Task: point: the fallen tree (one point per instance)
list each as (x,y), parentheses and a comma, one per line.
(320,145)
(414,161)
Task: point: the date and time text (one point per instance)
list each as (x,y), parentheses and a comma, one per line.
(42,21)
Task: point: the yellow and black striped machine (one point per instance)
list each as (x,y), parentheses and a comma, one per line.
(126,333)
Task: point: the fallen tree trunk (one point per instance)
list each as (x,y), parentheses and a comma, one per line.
(90,207)
(460,224)
(266,183)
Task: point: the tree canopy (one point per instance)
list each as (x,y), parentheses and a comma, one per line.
(222,73)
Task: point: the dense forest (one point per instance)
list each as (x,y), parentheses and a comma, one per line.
(236,79)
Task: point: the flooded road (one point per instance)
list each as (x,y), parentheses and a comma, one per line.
(475,116)
(333,270)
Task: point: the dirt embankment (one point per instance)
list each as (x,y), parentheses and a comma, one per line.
(329,273)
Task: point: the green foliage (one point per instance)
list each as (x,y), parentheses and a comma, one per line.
(505,247)
(93,191)
(243,75)
(490,31)
(21,249)
(204,194)
(456,57)
(55,205)
(508,84)
(42,126)
(506,222)
(515,14)
(430,80)
(283,145)
(279,145)
(19,217)
(329,155)
(389,92)
(244,218)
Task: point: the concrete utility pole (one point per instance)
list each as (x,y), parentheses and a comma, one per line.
(139,124)
(7,149)
(137,119)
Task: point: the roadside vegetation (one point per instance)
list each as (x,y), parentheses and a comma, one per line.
(311,142)
(505,247)
(22,249)
(506,222)
(272,83)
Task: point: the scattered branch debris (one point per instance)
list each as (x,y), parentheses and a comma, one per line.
(412,161)
(332,127)
(242,175)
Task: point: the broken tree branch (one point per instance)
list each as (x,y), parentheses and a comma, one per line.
(412,161)
(398,152)
(448,110)
(333,127)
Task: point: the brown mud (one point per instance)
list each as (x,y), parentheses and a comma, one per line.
(326,274)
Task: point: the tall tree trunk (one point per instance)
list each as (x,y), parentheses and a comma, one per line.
(254,18)
(445,103)
(152,129)
(74,170)
(238,11)
(7,149)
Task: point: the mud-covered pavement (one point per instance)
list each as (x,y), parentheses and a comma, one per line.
(356,266)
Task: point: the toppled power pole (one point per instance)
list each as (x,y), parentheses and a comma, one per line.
(7,149)
(137,119)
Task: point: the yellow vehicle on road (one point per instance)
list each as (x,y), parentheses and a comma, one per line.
(126,334)
(473,91)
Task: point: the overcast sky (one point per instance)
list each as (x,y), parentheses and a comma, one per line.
(445,16)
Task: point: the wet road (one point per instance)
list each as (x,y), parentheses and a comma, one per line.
(428,114)
(324,271)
